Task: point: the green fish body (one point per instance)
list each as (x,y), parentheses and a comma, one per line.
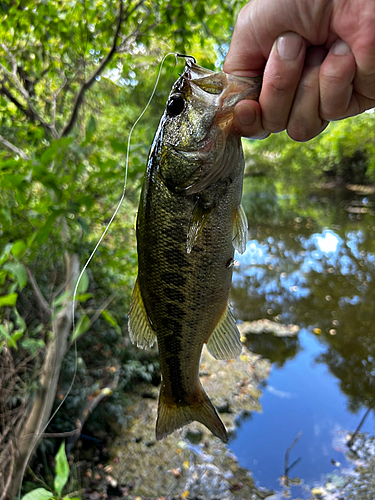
(189,223)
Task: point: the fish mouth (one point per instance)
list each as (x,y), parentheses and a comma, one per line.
(238,88)
(211,154)
(230,89)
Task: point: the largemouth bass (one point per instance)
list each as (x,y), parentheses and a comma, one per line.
(189,222)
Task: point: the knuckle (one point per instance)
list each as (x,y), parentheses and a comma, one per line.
(301,131)
(338,106)
(332,114)
(330,111)
(277,83)
(330,79)
(274,126)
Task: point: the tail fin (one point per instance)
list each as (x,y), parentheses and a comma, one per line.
(174,416)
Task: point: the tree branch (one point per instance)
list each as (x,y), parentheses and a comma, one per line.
(12,99)
(12,76)
(68,127)
(14,148)
(10,471)
(90,407)
(42,301)
(55,351)
(64,434)
(54,97)
(101,308)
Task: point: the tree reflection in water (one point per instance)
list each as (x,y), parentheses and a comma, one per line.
(310,261)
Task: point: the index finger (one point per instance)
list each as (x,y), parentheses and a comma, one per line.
(260,22)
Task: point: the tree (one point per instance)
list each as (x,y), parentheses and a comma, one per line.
(73,77)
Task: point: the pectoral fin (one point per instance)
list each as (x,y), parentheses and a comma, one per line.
(139,326)
(197,221)
(240,229)
(225,341)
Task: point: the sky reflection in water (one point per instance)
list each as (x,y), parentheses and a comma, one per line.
(321,278)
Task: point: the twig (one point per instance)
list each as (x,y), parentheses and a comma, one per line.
(54,97)
(350,443)
(12,99)
(42,301)
(68,127)
(104,305)
(12,76)
(286,463)
(107,391)
(64,434)
(14,148)
(10,472)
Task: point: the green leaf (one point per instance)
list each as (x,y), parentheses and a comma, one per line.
(90,130)
(19,271)
(19,247)
(46,230)
(4,333)
(91,125)
(61,299)
(82,327)
(111,320)
(20,321)
(118,147)
(83,283)
(32,345)
(3,275)
(83,297)
(8,300)
(5,253)
(7,214)
(38,494)
(61,470)
(16,336)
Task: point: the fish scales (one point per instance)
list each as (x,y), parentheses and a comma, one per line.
(188,222)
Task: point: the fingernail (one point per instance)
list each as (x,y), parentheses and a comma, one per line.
(340,48)
(289,46)
(245,114)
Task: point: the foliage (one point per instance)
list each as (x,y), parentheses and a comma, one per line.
(74,76)
(345,152)
(60,480)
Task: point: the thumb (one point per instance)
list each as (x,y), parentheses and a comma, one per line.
(247,53)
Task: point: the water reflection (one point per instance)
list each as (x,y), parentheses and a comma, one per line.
(276,349)
(312,264)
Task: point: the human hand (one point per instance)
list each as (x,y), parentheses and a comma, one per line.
(318,58)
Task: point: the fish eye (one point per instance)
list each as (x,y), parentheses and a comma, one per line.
(175,105)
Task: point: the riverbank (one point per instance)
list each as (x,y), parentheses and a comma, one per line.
(191,463)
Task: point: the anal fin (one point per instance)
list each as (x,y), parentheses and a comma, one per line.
(225,340)
(140,330)
(240,230)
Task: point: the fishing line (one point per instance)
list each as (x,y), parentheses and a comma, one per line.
(97,246)
(125,181)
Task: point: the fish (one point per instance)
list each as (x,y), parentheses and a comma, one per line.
(189,222)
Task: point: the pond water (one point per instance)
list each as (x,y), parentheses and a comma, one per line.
(309,262)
